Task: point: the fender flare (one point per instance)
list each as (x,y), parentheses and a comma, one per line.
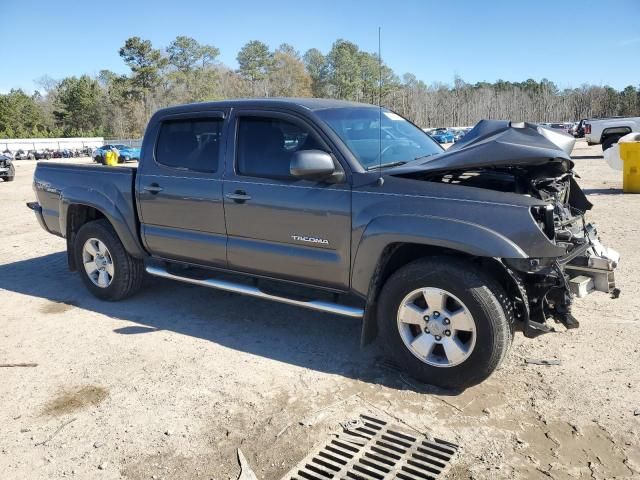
(455,235)
(108,204)
(460,236)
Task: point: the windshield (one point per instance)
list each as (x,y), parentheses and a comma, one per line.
(358,128)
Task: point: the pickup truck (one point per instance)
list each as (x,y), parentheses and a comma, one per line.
(344,208)
(609,130)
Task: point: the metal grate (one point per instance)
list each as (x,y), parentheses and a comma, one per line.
(370,449)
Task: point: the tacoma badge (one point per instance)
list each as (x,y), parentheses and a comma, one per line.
(301,238)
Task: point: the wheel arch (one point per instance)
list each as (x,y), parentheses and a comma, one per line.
(438,234)
(617,131)
(75,214)
(398,254)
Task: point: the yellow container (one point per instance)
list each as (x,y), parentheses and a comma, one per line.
(630,154)
(111,158)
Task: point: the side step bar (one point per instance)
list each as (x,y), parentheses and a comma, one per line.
(318,305)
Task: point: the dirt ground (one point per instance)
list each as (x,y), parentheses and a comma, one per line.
(168,384)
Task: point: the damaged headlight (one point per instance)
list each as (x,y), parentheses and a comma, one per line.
(543,215)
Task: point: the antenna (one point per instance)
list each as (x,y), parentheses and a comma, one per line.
(380,179)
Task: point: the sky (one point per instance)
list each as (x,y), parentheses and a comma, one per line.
(570,42)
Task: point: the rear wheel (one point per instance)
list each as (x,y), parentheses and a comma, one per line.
(105,267)
(445,321)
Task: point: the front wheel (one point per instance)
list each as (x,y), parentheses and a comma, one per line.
(106,268)
(445,322)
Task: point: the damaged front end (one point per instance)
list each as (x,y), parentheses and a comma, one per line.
(547,286)
(530,160)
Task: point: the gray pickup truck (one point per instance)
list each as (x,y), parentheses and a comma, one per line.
(349,209)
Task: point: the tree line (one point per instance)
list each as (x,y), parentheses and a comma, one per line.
(119,105)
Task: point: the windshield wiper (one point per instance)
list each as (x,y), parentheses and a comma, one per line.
(384,165)
(425,156)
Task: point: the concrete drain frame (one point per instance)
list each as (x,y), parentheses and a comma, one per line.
(371,449)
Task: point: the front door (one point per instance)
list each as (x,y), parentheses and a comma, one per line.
(277,225)
(179,187)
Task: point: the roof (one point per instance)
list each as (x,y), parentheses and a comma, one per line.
(301,103)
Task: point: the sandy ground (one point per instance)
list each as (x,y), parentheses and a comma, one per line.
(170,383)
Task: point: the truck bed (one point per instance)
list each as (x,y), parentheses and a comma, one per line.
(59,184)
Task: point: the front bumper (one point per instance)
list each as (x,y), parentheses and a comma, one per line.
(594,269)
(548,290)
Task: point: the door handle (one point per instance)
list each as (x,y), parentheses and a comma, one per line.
(153,188)
(239,196)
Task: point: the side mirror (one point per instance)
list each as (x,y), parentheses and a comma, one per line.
(311,164)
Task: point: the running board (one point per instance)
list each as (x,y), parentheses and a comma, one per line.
(318,305)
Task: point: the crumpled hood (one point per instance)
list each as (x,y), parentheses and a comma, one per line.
(498,143)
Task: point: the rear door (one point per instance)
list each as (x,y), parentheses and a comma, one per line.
(280,226)
(179,185)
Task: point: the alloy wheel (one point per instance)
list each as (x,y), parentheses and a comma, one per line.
(98,262)
(436,327)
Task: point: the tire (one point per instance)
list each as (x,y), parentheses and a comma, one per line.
(609,141)
(127,272)
(8,179)
(462,285)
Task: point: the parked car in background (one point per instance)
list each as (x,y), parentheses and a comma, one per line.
(609,130)
(578,128)
(42,154)
(7,170)
(442,135)
(458,134)
(129,154)
(559,126)
(125,153)
(8,153)
(22,155)
(99,153)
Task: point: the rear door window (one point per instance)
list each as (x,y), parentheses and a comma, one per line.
(190,144)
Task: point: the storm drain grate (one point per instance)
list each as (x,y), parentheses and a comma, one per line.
(370,449)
